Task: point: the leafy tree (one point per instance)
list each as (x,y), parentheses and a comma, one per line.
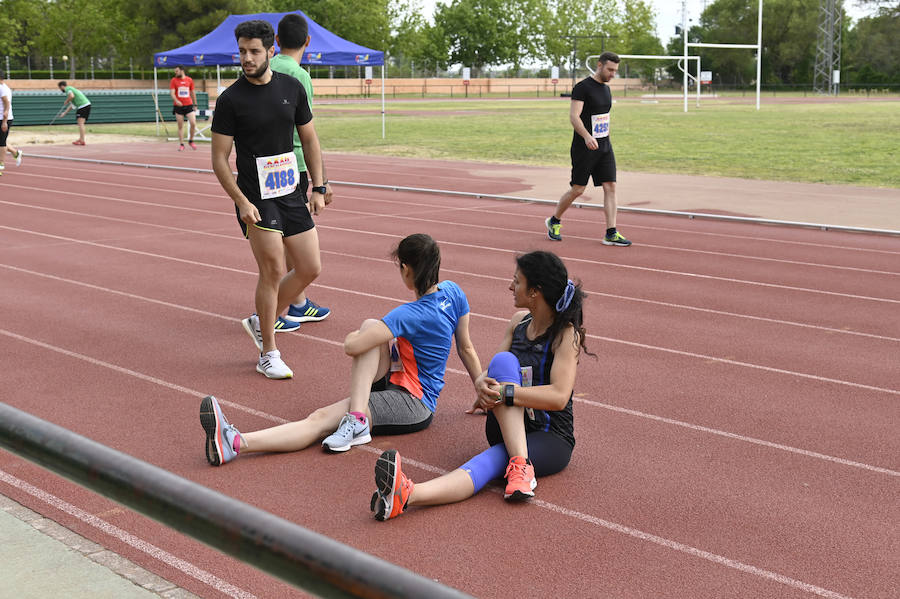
(789,33)
(158,25)
(566,18)
(635,36)
(76,28)
(872,49)
(478,32)
(364,22)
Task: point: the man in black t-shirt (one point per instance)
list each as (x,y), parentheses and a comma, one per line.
(591,151)
(258,114)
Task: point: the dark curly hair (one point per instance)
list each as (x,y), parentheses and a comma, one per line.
(547,274)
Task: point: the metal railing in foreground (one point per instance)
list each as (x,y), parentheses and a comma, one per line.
(299,556)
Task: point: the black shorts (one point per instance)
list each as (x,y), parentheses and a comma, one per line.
(4,135)
(83,113)
(600,165)
(183,110)
(287,215)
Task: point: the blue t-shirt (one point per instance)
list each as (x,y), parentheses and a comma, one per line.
(424,331)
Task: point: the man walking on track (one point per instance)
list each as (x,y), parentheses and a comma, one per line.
(258,114)
(181,88)
(591,151)
(6,118)
(82,106)
(293,38)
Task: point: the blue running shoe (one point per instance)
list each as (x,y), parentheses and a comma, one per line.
(553,230)
(308,312)
(283,325)
(219,434)
(349,432)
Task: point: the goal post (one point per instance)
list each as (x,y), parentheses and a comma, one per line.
(683,62)
(757,46)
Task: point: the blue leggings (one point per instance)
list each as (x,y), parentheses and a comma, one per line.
(548,453)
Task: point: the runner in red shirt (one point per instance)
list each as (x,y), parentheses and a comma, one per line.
(181,88)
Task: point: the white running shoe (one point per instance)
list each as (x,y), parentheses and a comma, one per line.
(19,158)
(271,365)
(251,325)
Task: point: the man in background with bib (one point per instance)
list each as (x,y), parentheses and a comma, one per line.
(184,99)
(592,153)
(258,113)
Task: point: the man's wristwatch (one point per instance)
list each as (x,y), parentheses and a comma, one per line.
(321,189)
(508,391)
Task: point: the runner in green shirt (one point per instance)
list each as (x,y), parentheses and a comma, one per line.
(293,38)
(76,98)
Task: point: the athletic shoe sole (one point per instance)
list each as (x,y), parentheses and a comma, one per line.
(210,422)
(247,323)
(616,243)
(283,325)
(367,438)
(387,469)
(305,318)
(518,495)
(276,377)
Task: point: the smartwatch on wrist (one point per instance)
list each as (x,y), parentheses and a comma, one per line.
(320,189)
(508,391)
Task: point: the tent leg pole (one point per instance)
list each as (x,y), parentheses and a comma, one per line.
(382,101)
(155,95)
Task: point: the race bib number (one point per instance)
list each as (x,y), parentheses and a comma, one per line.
(184,92)
(526,382)
(278,175)
(600,125)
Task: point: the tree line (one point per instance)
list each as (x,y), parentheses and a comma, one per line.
(477,33)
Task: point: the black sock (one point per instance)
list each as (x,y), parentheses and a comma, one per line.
(554,220)
(610,232)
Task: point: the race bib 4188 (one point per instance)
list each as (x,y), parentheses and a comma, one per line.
(278,175)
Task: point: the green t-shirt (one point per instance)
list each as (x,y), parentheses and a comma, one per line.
(282,63)
(79,100)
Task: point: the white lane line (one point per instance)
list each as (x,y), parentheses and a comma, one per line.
(199,394)
(647,227)
(678,352)
(632,532)
(129,539)
(727,435)
(418,218)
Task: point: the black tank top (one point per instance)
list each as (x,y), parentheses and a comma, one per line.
(538,354)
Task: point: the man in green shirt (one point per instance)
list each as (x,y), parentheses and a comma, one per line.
(293,38)
(75,98)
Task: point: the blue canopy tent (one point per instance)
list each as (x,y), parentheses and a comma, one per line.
(220,48)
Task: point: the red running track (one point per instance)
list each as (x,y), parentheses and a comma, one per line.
(737,437)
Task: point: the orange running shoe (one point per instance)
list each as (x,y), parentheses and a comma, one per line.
(520,481)
(394,488)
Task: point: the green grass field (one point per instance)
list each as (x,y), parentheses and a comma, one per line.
(842,143)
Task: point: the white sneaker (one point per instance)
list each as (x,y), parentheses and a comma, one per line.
(19,158)
(251,325)
(271,365)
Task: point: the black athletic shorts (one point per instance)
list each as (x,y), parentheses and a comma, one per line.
(600,165)
(83,113)
(4,135)
(183,110)
(287,215)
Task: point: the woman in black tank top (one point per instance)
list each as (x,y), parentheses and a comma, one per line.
(526,393)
